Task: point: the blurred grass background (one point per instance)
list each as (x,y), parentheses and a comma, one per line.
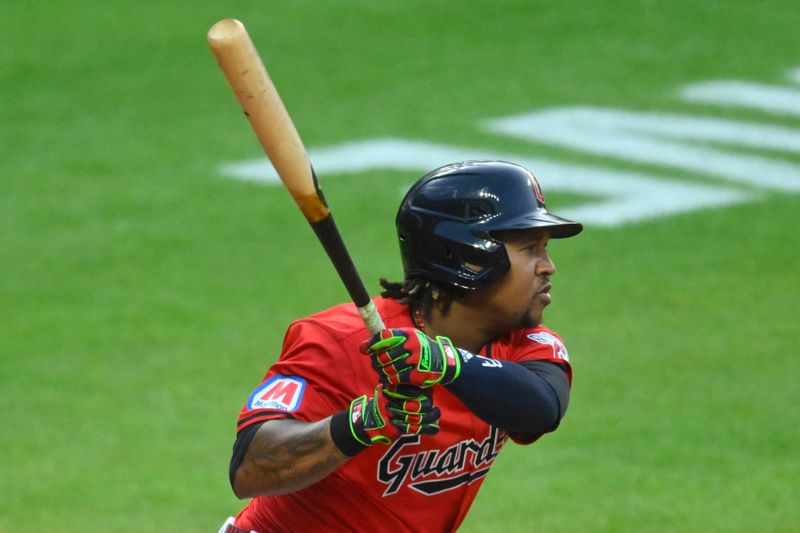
(142,296)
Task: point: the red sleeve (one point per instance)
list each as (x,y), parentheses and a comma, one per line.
(312,379)
(538,343)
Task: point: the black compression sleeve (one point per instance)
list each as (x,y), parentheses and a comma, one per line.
(556,376)
(243,440)
(510,396)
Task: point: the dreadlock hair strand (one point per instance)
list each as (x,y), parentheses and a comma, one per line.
(420,293)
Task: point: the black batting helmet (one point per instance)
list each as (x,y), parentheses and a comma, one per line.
(446,220)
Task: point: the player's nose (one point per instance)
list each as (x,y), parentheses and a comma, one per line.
(545,267)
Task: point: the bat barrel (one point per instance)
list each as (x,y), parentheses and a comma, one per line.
(262,105)
(247,76)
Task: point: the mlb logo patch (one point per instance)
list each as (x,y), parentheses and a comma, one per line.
(283,393)
(559,350)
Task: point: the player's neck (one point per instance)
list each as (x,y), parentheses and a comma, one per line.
(459,325)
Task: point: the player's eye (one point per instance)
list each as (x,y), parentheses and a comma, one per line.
(533,248)
(536,248)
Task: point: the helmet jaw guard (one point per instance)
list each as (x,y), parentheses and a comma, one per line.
(446,219)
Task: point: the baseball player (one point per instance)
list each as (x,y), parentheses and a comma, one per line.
(397,432)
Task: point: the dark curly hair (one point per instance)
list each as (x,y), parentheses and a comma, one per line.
(419,293)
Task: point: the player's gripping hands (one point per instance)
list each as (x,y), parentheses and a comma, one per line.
(406,356)
(383,417)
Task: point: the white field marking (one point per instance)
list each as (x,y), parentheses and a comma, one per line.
(660,138)
(731,93)
(623,196)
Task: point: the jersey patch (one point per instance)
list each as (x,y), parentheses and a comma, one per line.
(559,350)
(283,393)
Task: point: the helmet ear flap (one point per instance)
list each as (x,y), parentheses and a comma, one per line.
(475,261)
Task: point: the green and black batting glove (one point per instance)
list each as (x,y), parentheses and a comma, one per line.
(406,356)
(387,415)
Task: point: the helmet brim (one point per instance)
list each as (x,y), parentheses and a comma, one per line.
(557,227)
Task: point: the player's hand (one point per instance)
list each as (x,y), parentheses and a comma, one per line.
(388,414)
(406,356)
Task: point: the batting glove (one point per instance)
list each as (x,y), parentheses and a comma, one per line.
(406,356)
(388,414)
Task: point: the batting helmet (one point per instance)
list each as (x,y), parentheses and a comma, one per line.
(446,220)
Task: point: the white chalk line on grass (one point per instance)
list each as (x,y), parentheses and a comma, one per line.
(621,196)
(701,145)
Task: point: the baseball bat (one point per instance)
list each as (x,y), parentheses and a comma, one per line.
(250,82)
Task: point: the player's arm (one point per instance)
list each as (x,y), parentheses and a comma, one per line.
(283,455)
(528,398)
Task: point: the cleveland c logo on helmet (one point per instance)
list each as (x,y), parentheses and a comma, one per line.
(446,220)
(537,189)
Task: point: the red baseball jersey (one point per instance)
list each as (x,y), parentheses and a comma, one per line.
(419,483)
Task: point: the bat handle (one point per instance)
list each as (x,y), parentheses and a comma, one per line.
(328,234)
(370,316)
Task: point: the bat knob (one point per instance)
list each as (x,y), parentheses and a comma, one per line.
(225,30)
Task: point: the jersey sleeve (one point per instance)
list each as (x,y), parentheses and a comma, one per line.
(535,344)
(312,379)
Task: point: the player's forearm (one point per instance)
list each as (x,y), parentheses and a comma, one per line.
(285,456)
(508,396)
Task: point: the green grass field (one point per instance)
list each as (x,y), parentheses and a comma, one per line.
(142,295)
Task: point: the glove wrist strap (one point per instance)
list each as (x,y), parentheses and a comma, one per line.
(342,435)
(452,363)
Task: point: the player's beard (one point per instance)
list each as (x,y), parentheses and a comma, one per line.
(528,320)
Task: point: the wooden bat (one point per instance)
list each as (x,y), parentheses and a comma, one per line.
(247,76)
